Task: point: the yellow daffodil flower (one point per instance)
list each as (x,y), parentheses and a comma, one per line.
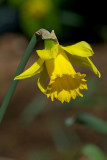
(37,8)
(55,62)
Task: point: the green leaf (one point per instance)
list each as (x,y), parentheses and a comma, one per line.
(89,121)
(93,152)
(92,122)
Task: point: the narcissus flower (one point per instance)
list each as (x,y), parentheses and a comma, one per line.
(55,62)
(37,8)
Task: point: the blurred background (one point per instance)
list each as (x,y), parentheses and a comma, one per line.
(33,126)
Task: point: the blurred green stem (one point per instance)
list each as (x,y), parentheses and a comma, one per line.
(13,84)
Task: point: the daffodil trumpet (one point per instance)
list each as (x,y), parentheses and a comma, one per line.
(56,63)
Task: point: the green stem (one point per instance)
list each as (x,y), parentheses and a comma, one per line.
(14,82)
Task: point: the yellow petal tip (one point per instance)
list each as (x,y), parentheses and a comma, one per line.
(99,74)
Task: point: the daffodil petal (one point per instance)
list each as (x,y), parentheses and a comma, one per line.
(84,61)
(82,49)
(41,80)
(36,68)
(48,54)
